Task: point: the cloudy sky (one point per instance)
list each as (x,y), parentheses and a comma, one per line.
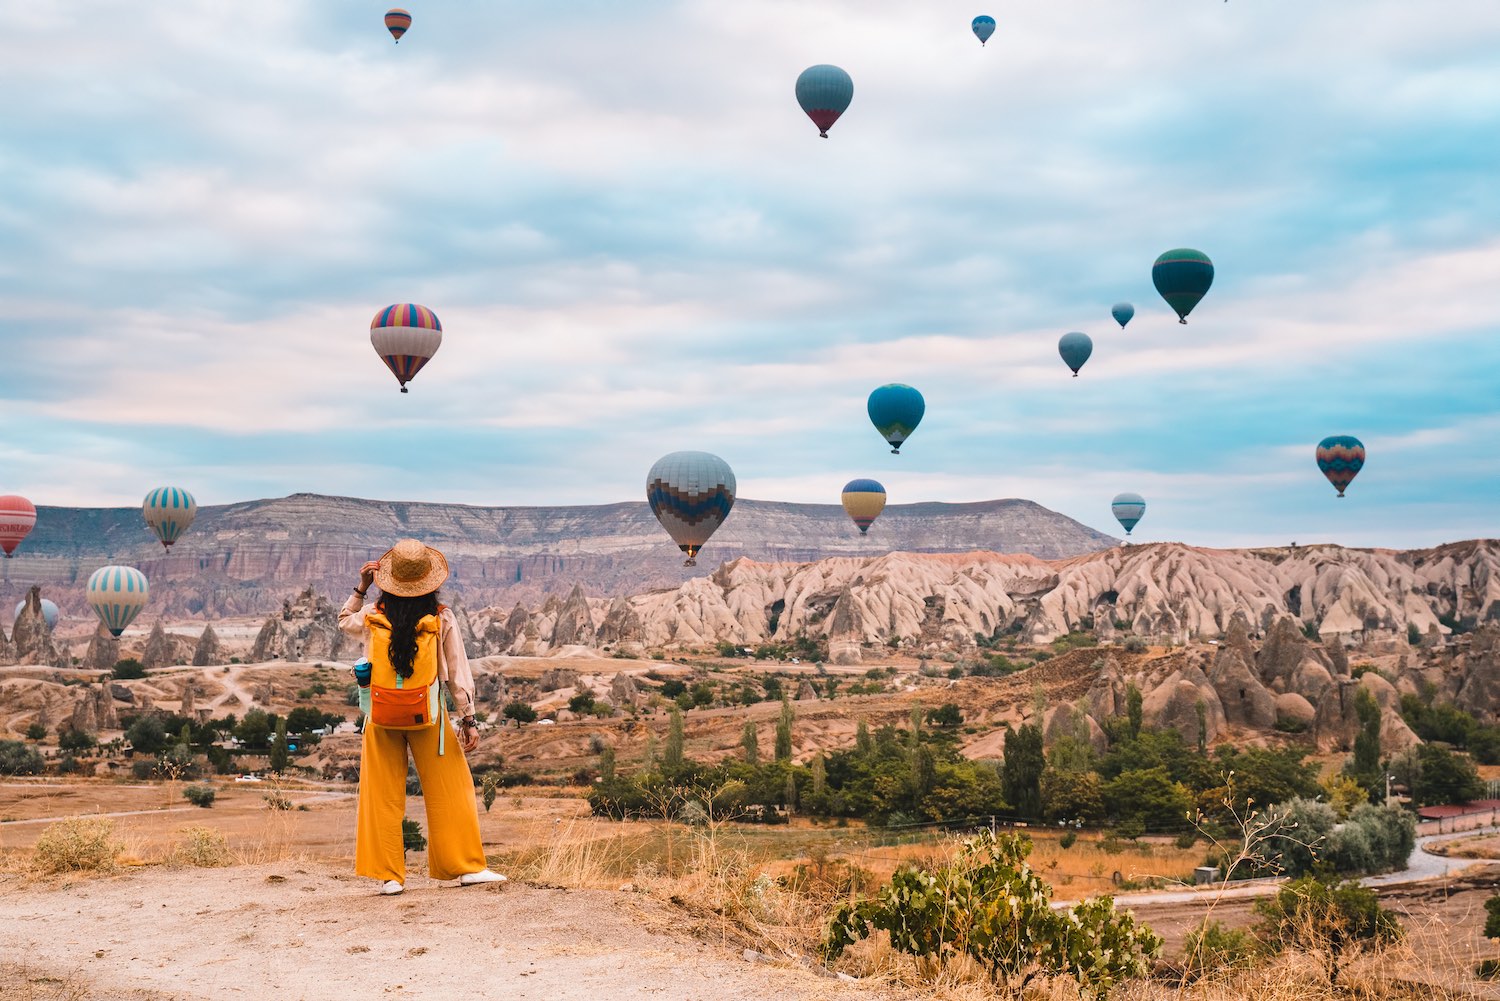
(637,243)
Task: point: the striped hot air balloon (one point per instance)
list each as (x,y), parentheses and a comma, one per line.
(1182,277)
(396,22)
(895,410)
(1341,457)
(863,501)
(984,27)
(824,92)
(1075,349)
(170,512)
(117,595)
(1128,509)
(406,336)
(691,494)
(17,519)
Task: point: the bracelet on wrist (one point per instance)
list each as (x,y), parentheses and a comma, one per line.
(359,592)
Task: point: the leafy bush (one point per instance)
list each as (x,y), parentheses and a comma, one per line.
(76,844)
(1336,919)
(519,711)
(36,732)
(202,847)
(411,836)
(146,735)
(1492,917)
(200,796)
(990,905)
(1212,948)
(128,670)
(18,759)
(76,740)
(1068,840)
(1135,644)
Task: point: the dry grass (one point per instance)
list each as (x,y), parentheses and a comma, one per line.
(203,848)
(77,844)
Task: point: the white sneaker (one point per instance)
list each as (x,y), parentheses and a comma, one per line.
(482,876)
(390,888)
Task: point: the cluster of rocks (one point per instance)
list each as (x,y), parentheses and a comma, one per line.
(30,640)
(307,628)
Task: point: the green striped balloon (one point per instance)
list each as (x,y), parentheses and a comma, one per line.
(170,512)
(117,595)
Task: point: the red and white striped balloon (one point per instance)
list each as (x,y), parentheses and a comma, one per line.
(17,518)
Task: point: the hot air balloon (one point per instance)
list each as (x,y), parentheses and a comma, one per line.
(863,501)
(117,595)
(406,336)
(824,92)
(1182,277)
(1341,457)
(1075,349)
(1122,312)
(691,494)
(49,612)
(170,512)
(984,27)
(1128,509)
(896,410)
(396,22)
(17,518)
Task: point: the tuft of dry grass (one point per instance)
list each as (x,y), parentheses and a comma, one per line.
(202,847)
(76,844)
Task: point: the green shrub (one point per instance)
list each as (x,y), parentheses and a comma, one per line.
(128,670)
(18,759)
(1335,919)
(1135,644)
(76,740)
(411,836)
(1068,840)
(200,796)
(1212,949)
(36,732)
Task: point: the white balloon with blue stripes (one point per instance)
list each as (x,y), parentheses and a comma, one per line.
(170,512)
(117,595)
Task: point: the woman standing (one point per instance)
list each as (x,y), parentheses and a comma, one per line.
(414,650)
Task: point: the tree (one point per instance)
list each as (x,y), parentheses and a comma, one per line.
(1492,917)
(749,744)
(947,714)
(280,756)
(672,754)
(1148,797)
(128,670)
(582,703)
(1024,764)
(1070,796)
(1338,919)
(18,759)
(76,740)
(819,776)
(862,741)
(36,731)
(412,839)
(1133,711)
(784,731)
(1436,776)
(1344,794)
(519,711)
(304,720)
(146,735)
(1364,767)
(254,731)
(789,795)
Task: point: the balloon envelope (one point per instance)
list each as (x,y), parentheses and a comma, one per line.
(17,519)
(1122,312)
(1182,277)
(117,595)
(984,27)
(896,410)
(170,512)
(824,92)
(406,336)
(396,22)
(1075,349)
(49,612)
(863,501)
(691,494)
(1128,509)
(1341,457)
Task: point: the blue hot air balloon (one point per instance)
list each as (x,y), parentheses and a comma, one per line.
(49,612)
(691,494)
(1128,509)
(824,92)
(896,410)
(170,512)
(1075,349)
(984,27)
(1182,277)
(1122,312)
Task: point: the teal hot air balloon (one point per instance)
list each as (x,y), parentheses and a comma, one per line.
(984,27)
(170,512)
(117,595)
(691,494)
(1075,349)
(824,92)
(1128,509)
(1182,277)
(896,410)
(1341,457)
(1123,312)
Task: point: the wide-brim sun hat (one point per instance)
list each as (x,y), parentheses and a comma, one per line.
(410,568)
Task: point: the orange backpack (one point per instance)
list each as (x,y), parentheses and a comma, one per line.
(398,703)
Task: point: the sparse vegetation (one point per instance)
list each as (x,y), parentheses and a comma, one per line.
(16,758)
(412,839)
(76,844)
(203,848)
(1335,919)
(200,795)
(129,669)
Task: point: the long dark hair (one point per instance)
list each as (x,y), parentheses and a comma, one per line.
(404,614)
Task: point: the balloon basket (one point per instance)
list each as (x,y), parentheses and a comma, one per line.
(403,389)
(689,562)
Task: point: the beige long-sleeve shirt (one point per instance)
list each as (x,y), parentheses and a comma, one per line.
(453,665)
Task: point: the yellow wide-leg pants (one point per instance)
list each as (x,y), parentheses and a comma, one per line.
(453,845)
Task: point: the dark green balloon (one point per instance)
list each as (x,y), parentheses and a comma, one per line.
(1182,277)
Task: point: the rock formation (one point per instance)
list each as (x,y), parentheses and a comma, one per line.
(307,629)
(31,637)
(207,652)
(103,652)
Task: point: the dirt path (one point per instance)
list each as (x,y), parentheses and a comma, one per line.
(305,930)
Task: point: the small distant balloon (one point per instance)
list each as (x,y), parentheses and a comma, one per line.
(406,336)
(691,494)
(49,612)
(824,92)
(863,501)
(1182,277)
(1128,509)
(984,27)
(17,519)
(1122,312)
(1341,457)
(896,410)
(170,512)
(396,22)
(117,595)
(1075,349)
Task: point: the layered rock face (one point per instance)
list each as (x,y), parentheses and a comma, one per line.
(240,559)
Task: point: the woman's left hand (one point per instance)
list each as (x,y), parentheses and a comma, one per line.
(468,737)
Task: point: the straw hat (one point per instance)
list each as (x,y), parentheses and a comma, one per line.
(410,569)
